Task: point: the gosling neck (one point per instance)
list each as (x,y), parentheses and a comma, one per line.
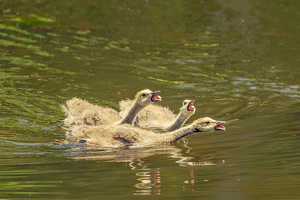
(176,135)
(132,113)
(178,122)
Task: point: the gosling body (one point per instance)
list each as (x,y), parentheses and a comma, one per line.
(81,112)
(161,119)
(126,135)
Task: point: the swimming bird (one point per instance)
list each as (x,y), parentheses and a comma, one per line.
(126,135)
(80,112)
(161,119)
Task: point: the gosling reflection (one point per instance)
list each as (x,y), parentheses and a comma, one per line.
(190,182)
(149,183)
(148,180)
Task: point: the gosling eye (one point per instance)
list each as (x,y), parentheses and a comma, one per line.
(143,94)
(185,103)
(207,122)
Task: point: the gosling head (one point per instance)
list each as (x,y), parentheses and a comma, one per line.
(146,97)
(208,124)
(188,107)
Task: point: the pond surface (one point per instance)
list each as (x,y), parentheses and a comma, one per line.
(238,59)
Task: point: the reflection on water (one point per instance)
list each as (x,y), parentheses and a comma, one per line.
(149,181)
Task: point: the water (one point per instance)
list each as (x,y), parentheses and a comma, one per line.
(238,59)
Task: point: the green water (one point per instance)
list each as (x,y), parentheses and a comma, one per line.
(238,59)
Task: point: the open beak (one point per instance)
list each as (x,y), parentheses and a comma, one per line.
(191,106)
(155,96)
(219,126)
